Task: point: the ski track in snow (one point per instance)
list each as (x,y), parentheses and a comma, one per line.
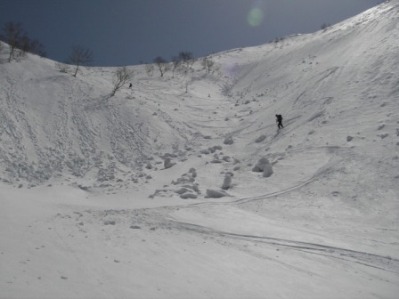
(385,263)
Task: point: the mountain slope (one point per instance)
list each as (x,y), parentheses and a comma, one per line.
(151,161)
(54,125)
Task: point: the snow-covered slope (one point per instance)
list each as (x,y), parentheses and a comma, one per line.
(117,195)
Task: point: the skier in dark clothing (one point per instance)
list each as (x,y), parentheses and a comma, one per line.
(279,121)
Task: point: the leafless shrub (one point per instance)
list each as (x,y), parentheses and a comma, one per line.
(162,65)
(122,75)
(19,42)
(80,56)
(62,67)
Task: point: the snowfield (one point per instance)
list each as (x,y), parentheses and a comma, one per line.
(158,191)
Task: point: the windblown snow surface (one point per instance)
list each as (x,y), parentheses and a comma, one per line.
(118,197)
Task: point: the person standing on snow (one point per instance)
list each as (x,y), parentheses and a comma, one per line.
(279,121)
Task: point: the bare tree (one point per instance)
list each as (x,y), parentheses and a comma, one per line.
(122,75)
(24,44)
(187,60)
(186,56)
(32,46)
(80,56)
(175,64)
(12,34)
(207,64)
(325,26)
(37,48)
(161,64)
(19,42)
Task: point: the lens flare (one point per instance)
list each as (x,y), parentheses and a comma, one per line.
(255,17)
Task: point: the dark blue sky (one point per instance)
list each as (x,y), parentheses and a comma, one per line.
(125,32)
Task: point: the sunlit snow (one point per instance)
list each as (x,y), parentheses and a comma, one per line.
(155,192)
